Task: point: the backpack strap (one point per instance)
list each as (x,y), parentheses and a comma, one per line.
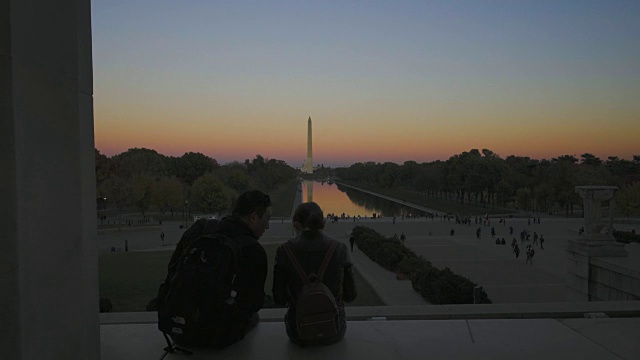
(298,267)
(295,263)
(173,348)
(326,260)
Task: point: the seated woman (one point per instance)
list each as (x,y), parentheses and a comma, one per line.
(309,249)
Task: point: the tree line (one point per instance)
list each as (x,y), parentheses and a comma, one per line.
(484,178)
(147,180)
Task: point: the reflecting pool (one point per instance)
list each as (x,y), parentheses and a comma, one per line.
(337,199)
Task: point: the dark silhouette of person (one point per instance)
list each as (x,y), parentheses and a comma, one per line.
(352,241)
(530,253)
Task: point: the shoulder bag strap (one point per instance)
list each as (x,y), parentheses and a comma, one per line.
(326,260)
(296,264)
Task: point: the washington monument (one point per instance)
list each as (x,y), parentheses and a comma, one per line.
(307,168)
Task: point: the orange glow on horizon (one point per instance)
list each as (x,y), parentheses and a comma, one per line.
(344,143)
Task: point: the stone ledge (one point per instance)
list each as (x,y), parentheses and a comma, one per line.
(548,339)
(436,312)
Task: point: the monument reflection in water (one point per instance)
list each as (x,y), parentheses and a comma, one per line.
(337,199)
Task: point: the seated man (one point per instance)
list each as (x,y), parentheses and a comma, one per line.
(309,250)
(248,221)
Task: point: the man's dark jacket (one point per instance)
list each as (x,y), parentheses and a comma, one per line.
(253,274)
(310,248)
(250,281)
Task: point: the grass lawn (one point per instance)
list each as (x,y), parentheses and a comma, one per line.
(131,279)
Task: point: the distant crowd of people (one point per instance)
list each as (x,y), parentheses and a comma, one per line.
(525,236)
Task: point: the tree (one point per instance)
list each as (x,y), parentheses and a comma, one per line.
(504,192)
(142,185)
(388,175)
(167,195)
(118,191)
(562,181)
(269,173)
(209,195)
(105,168)
(523,198)
(141,161)
(191,166)
(628,199)
(542,195)
(568,158)
(238,180)
(590,159)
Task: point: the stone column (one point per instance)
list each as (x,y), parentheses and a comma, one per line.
(598,233)
(596,240)
(48,262)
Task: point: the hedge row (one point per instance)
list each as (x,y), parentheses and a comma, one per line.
(435,285)
(626,237)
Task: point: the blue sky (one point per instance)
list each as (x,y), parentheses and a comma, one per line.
(406,80)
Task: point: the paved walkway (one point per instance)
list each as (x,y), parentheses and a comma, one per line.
(402,202)
(391,290)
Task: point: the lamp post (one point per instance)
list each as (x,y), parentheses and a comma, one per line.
(186,213)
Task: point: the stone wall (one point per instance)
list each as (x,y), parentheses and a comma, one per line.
(612,282)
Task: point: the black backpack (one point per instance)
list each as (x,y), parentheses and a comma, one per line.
(196,303)
(317,316)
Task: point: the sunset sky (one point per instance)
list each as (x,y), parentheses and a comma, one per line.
(381,80)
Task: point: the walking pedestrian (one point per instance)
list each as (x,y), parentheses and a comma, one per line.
(530,253)
(352,241)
